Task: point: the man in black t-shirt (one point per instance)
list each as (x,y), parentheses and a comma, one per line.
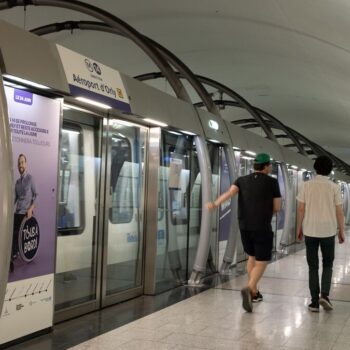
(259,198)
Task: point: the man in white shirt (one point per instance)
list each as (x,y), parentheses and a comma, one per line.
(320,213)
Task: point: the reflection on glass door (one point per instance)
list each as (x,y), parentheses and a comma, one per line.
(177,236)
(277,222)
(79,181)
(125,205)
(180,210)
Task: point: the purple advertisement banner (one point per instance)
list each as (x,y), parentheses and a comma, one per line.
(225,208)
(34,123)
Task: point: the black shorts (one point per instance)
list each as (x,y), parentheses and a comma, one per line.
(258,244)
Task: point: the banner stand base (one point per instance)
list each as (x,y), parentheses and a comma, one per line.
(26,337)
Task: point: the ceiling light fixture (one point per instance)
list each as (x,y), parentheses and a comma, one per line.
(26,82)
(93,102)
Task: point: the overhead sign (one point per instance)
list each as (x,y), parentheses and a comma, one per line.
(91,79)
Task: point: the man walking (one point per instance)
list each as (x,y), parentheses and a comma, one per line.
(258,198)
(320,212)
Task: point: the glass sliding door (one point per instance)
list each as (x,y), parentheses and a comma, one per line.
(100,216)
(174,187)
(124,207)
(79,183)
(180,210)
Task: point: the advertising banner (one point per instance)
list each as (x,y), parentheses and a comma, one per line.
(93,80)
(34,123)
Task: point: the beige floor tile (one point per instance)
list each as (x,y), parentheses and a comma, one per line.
(144,345)
(341,346)
(215,319)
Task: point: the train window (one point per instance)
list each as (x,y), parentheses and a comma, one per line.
(70,219)
(178,182)
(121,184)
(306,176)
(274,170)
(342,190)
(174,183)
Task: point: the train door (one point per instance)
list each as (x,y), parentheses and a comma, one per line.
(278,219)
(100,214)
(123,216)
(178,210)
(77,276)
(196,214)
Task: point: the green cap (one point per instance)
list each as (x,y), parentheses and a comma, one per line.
(262,158)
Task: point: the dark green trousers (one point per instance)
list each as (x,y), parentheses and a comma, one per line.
(327,250)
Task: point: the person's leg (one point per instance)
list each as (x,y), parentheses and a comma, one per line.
(263,241)
(255,275)
(250,293)
(248,247)
(312,244)
(327,249)
(17,221)
(250,265)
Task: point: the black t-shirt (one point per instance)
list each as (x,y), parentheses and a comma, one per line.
(255,201)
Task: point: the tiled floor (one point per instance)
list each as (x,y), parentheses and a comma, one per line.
(214,319)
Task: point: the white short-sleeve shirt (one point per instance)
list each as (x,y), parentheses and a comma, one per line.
(321,196)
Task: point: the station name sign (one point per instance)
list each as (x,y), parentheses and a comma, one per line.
(90,79)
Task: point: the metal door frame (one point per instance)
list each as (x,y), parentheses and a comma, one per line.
(91,305)
(105,299)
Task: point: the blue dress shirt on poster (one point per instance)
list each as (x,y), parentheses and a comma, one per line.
(25,193)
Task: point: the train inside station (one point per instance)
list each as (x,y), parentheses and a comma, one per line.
(118,175)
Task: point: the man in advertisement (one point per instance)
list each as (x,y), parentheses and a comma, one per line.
(25,196)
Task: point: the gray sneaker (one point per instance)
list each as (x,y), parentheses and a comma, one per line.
(247,299)
(326,303)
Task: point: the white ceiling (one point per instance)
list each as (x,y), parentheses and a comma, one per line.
(288,57)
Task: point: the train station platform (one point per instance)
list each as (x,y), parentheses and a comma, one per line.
(214,318)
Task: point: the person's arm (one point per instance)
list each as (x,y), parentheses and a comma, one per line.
(340,220)
(30,211)
(277,204)
(34,196)
(300,219)
(233,190)
(276,195)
